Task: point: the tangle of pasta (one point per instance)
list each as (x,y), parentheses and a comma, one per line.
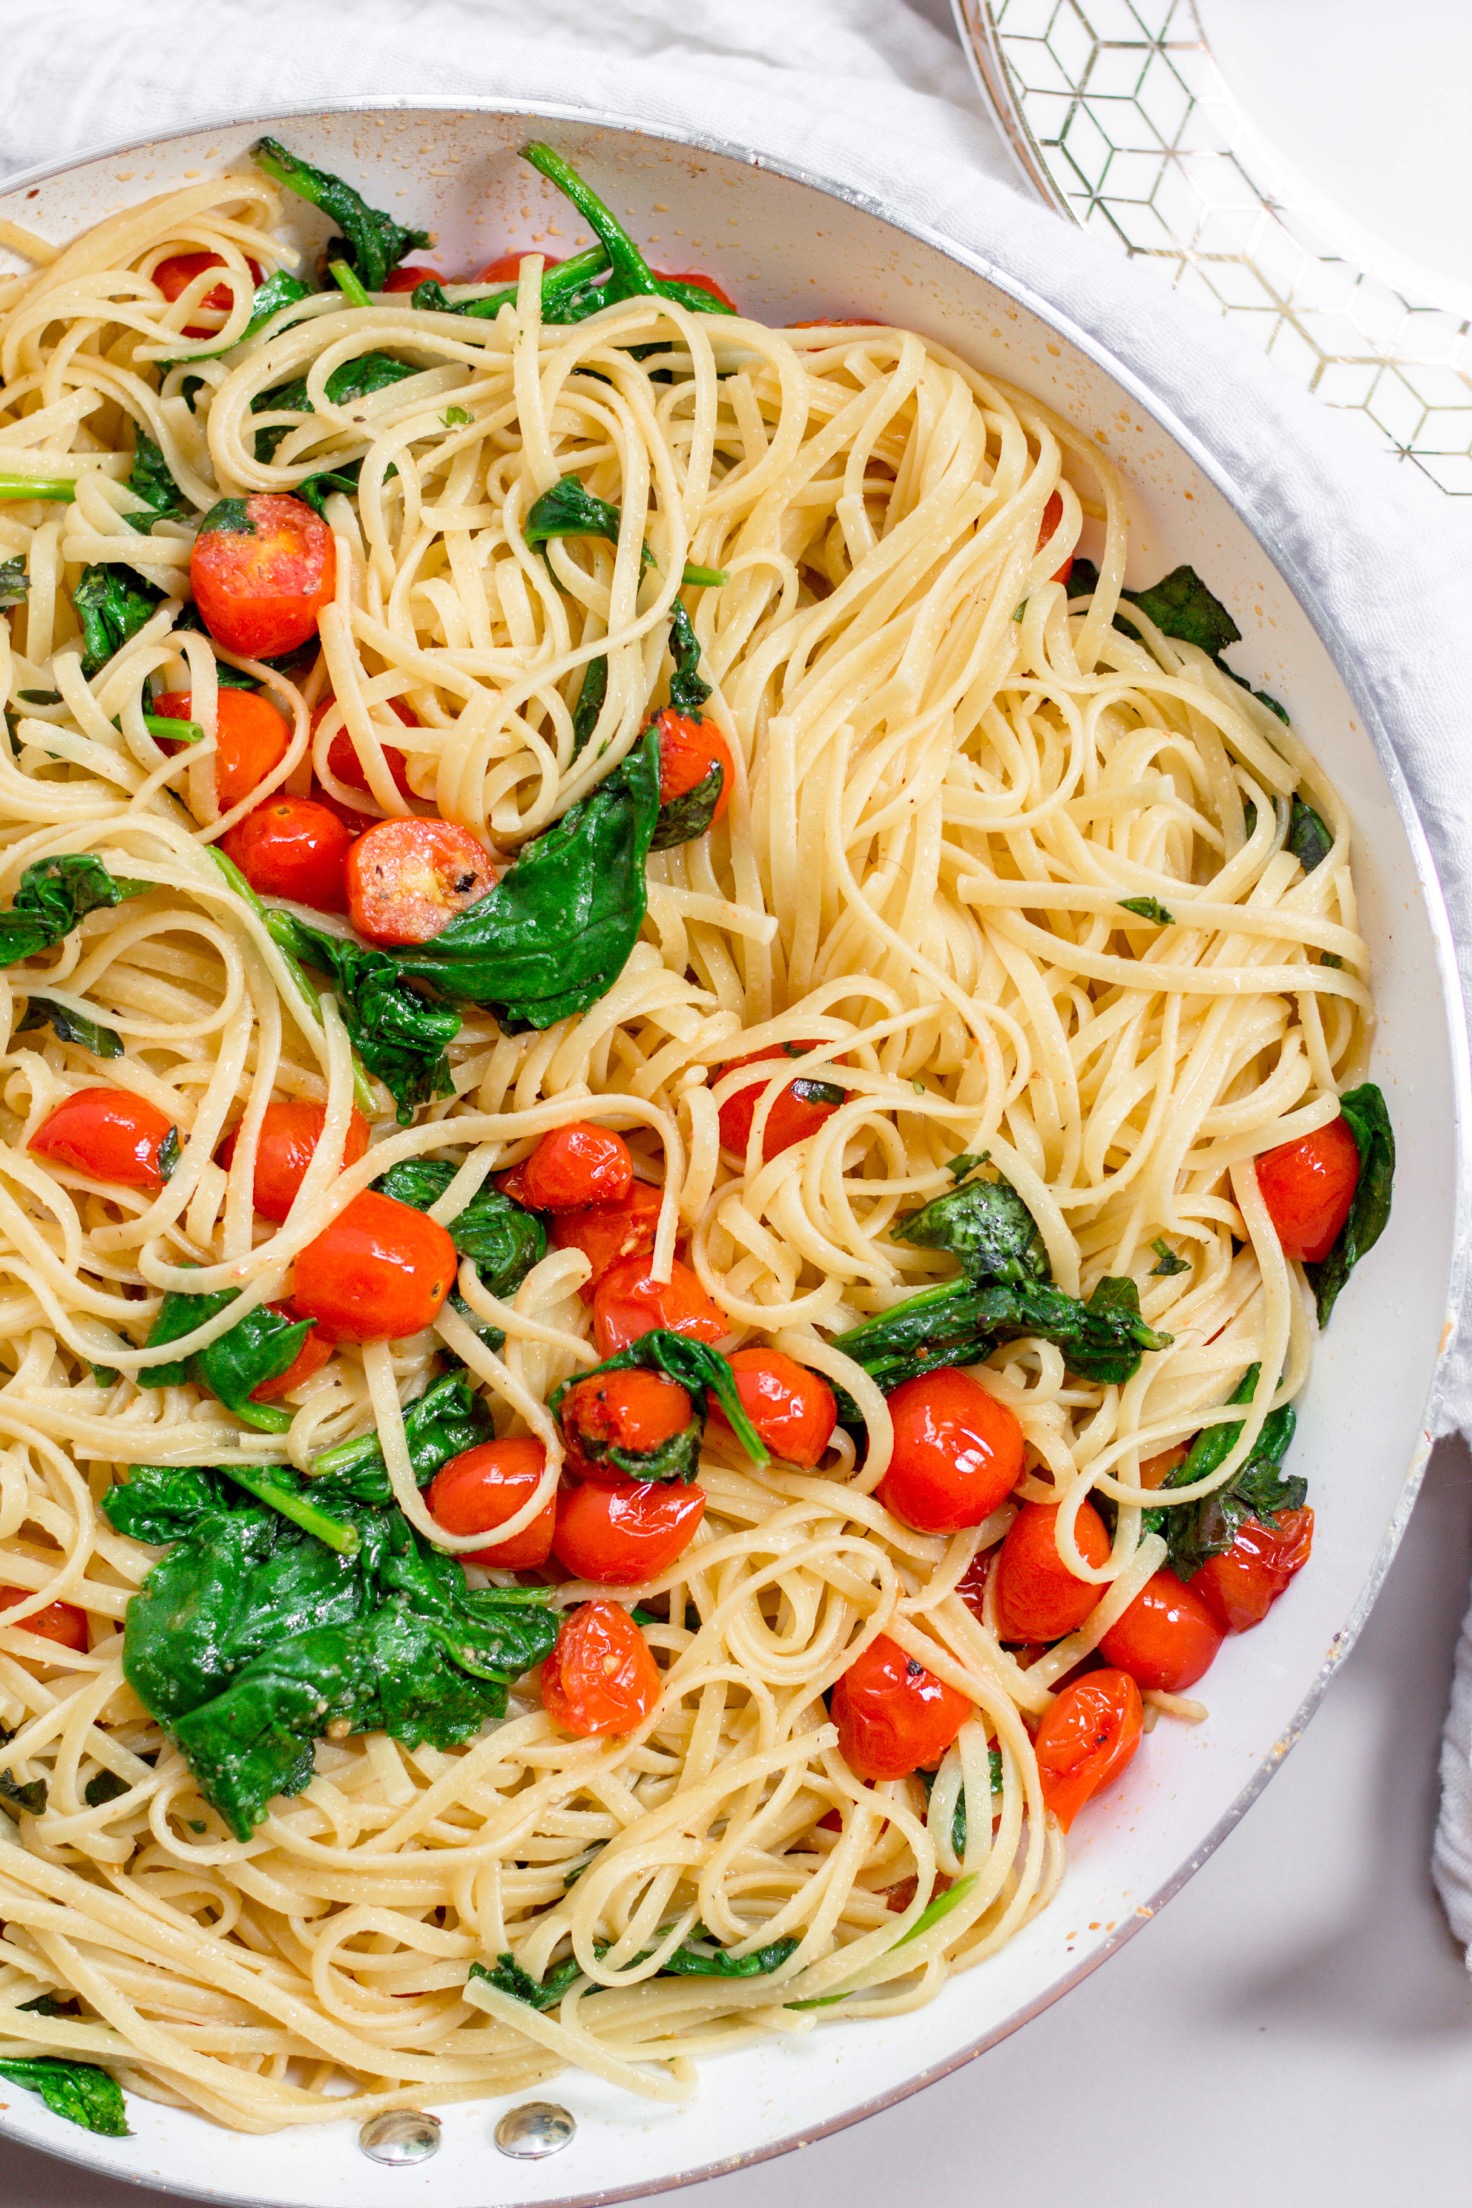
(948,778)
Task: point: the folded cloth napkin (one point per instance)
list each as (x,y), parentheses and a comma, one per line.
(870,94)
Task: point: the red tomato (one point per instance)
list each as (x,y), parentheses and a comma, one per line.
(289,1136)
(483,1487)
(381,1271)
(957,1452)
(633,1411)
(61,1622)
(250,738)
(621,1534)
(574,1166)
(894,1716)
(705,283)
(262,570)
(1166,1638)
(1241,1586)
(688,749)
(628,1303)
(792,1409)
(311,1357)
(601,1676)
(108,1134)
(506,267)
(797,1113)
(177,273)
(607,1232)
(407,879)
(409,275)
(1086,1739)
(1038,1598)
(1052,515)
(1308,1187)
(293,847)
(348,768)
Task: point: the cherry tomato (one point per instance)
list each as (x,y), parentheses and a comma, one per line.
(262,569)
(348,768)
(601,1676)
(61,1622)
(621,1534)
(506,267)
(793,1409)
(293,847)
(177,273)
(289,1136)
(607,1232)
(381,1271)
(409,275)
(483,1487)
(1052,515)
(1240,1586)
(575,1166)
(634,1412)
(1308,1187)
(628,1303)
(407,879)
(702,283)
(1166,1638)
(1038,1598)
(893,1715)
(311,1357)
(688,749)
(250,739)
(799,1110)
(957,1452)
(1086,1739)
(108,1134)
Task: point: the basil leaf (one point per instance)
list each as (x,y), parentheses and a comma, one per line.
(70,1027)
(1369,1122)
(78,2091)
(375,243)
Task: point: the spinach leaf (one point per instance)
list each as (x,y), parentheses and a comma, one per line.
(15,583)
(70,1027)
(569,510)
(984,1224)
(630,274)
(399,1033)
(78,2091)
(46,2004)
(1259,1489)
(259,1347)
(1171,1260)
(961,1322)
(509,1977)
(1369,1123)
(374,243)
(1148,908)
(26,1794)
(504,1238)
(682,819)
(315,489)
(151,481)
(1308,835)
(690,1961)
(688,687)
(112,604)
(590,703)
(104,1786)
(444,1422)
(1181,606)
(161,1502)
(53,897)
(351,379)
(701,1371)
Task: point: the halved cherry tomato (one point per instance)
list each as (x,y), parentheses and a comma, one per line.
(893,1715)
(177,273)
(1052,515)
(957,1452)
(607,1232)
(1086,1739)
(61,1622)
(311,1357)
(793,1409)
(574,1166)
(107,1133)
(799,1110)
(483,1487)
(293,847)
(381,1271)
(633,1412)
(688,749)
(409,275)
(1038,1598)
(620,1534)
(408,879)
(290,1133)
(250,739)
(601,1676)
(703,283)
(628,1303)
(506,267)
(1240,1586)
(1308,1187)
(262,569)
(345,764)
(1166,1638)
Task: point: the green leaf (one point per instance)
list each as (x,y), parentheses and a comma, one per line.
(152,481)
(1209,1526)
(985,1225)
(106,1376)
(1148,908)
(700,1370)
(590,703)
(568,510)
(78,2091)
(161,1502)
(283,1490)
(54,896)
(316,489)
(352,379)
(455,417)
(961,1322)
(112,604)
(631,276)
(689,1961)
(375,243)
(508,1977)
(683,819)
(1369,1122)
(259,1347)
(444,1422)
(39,697)
(399,1033)
(688,687)
(104,1786)
(1170,1260)
(28,1794)
(348,284)
(15,583)
(70,1027)
(503,1237)
(1308,837)
(170,1150)
(1181,606)
(561,287)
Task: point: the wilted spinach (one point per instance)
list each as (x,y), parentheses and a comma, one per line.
(258,1347)
(1369,1123)
(702,1372)
(151,481)
(399,1033)
(1258,1490)
(444,1422)
(53,897)
(78,2091)
(372,243)
(112,604)
(70,1027)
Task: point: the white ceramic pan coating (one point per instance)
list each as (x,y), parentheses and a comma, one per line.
(790,247)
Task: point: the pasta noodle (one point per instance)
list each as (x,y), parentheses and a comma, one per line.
(951,771)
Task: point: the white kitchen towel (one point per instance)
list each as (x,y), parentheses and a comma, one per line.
(867,93)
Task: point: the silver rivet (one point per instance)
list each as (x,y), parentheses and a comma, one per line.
(535,2129)
(399,2136)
